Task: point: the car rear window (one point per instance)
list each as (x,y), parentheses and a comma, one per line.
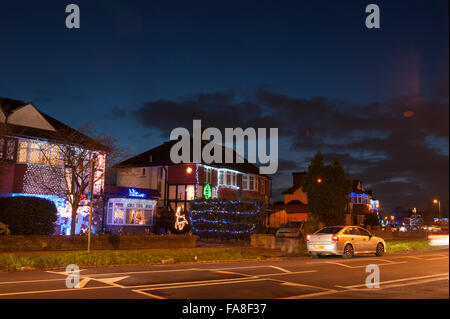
(329,230)
(292,224)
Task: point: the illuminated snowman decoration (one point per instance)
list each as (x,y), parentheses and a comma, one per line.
(181,221)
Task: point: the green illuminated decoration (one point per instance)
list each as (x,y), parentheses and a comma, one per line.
(207,191)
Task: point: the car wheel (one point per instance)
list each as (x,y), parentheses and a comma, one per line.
(348,251)
(380,250)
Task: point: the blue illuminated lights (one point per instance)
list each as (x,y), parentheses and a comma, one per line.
(134,193)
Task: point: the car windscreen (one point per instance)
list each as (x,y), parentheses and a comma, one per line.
(329,230)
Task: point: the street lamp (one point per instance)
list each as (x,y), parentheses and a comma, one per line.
(436,201)
(91,190)
(319,180)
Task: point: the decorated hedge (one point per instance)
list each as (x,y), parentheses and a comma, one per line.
(226,218)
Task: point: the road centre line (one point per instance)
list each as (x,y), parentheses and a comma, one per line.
(364,266)
(347,289)
(30,281)
(163,271)
(281,269)
(231,273)
(437,258)
(205,282)
(408,283)
(53,290)
(198,284)
(148,294)
(395,280)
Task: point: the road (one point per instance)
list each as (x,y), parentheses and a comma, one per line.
(412,275)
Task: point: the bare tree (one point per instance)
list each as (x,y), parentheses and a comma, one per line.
(72,160)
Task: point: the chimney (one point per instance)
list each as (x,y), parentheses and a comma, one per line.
(298,178)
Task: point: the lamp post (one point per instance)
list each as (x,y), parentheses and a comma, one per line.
(436,201)
(91,191)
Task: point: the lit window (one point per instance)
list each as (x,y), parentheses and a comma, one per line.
(245,182)
(228,179)
(252,183)
(207,175)
(190,192)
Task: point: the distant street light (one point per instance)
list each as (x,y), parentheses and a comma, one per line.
(319,180)
(436,201)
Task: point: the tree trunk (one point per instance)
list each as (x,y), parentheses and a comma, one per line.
(74,218)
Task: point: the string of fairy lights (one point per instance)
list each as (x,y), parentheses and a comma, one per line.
(234,217)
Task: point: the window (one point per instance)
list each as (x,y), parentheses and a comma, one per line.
(8,148)
(39,153)
(329,230)
(251,184)
(207,175)
(245,182)
(352,231)
(159,179)
(262,187)
(228,180)
(363,232)
(137,212)
(227,177)
(135,216)
(143,172)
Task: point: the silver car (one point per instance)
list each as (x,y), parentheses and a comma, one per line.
(346,241)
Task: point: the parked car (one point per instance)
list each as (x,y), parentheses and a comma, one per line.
(290,230)
(434,229)
(346,241)
(438,240)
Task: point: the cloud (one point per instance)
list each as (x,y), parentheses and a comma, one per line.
(376,142)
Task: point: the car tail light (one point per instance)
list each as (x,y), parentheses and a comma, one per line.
(335,238)
(308,237)
(437,236)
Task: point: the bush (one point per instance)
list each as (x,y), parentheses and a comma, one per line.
(4,230)
(311,225)
(28,215)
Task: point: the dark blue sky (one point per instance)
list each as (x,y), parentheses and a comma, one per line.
(131,60)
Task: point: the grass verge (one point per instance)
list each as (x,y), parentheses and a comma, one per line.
(17,262)
(406,245)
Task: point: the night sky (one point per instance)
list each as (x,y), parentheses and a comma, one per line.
(378,99)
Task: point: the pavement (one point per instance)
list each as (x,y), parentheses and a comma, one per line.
(420,275)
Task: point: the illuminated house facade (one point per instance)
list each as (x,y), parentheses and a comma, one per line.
(28,157)
(180,184)
(361,203)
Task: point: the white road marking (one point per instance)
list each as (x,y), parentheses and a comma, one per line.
(52,290)
(280,269)
(395,280)
(29,281)
(148,294)
(83,283)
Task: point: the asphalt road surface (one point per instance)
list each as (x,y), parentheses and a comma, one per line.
(405,275)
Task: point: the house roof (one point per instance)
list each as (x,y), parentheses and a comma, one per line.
(291,190)
(160,156)
(293,207)
(9,106)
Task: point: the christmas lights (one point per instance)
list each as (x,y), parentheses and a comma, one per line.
(225,217)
